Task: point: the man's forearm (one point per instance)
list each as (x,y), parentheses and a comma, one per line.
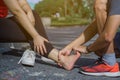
(85,36)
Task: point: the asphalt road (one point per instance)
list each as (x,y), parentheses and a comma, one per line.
(46,69)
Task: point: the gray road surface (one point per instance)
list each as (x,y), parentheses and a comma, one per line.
(46,69)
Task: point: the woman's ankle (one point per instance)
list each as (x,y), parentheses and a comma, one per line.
(53,55)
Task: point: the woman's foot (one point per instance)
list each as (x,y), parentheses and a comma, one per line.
(68,61)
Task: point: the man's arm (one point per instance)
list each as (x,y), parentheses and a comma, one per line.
(107,35)
(25,6)
(85,36)
(110,28)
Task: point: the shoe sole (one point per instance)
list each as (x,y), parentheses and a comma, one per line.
(108,74)
(27,64)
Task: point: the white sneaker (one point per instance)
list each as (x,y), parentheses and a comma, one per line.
(28,58)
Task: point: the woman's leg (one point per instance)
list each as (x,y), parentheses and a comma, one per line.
(40,29)
(10,31)
(52,52)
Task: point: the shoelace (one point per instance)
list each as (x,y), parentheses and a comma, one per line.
(97,62)
(29,55)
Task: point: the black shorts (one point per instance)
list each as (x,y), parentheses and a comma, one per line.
(113,7)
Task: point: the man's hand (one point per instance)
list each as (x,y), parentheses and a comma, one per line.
(64,52)
(39,46)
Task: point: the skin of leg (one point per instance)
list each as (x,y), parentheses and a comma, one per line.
(100,9)
(107,36)
(101,16)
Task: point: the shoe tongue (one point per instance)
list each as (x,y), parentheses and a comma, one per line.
(98,61)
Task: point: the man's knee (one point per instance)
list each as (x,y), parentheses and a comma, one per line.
(100,6)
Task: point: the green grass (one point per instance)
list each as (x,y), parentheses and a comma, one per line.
(69,22)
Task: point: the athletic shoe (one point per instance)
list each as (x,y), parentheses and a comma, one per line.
(99,60)
(28,58)
(101,69)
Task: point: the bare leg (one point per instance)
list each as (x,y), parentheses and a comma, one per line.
(53,55)
(101,15)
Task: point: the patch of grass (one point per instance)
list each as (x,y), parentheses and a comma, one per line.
(69,21)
